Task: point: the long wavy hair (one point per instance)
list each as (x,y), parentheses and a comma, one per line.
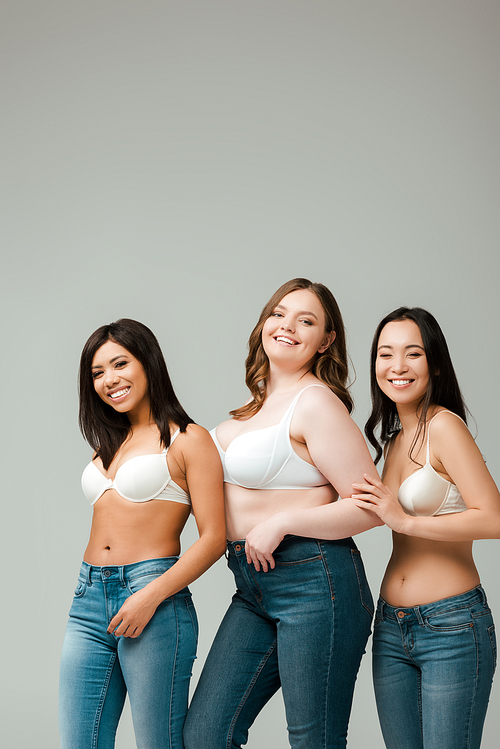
(443,388)
(331,367)
(106,429)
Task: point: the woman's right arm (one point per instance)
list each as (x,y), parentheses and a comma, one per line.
(339,451)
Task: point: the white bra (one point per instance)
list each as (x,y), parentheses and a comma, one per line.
(265,458)
(139,479)
(425,492)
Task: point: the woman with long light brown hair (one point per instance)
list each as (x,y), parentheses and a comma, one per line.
(301,615)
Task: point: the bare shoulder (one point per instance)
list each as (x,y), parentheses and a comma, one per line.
(446,425)
(195,437)
(319,410)
(450,436)
(317,399)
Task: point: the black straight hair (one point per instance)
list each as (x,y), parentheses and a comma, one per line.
(106,429)
(443,389)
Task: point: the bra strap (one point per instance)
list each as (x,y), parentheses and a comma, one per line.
(172,438)
(287,417)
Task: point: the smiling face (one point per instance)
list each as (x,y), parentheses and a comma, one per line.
(401,366)
(119,378)
(295,330)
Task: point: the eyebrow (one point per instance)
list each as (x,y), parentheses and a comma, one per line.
(302,312)
(412,345)
(99,366)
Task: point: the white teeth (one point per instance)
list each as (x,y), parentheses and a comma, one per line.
(119,393)
(400,382)
(285,340)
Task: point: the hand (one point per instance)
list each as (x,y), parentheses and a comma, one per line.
(380,500)
(133,615)
(262,541)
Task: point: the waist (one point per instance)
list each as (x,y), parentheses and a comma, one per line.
(418,614)
(246,508)
(125,572)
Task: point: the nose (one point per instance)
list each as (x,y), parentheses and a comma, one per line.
(111,378)
(287,325)
(399,365)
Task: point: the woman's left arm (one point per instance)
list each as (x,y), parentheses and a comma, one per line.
(456,454)
(203,471)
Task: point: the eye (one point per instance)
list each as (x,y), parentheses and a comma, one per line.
(97,374)
(277,314)
(384,356)
(307,322)
(415,354)
(120,363)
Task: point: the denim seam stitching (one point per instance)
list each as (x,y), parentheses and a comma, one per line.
(247,693)
(332,635)
(102,699)
(173,670)
(476,679)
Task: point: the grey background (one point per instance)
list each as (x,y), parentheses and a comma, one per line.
(175,162)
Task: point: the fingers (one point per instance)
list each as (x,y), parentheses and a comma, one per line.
(259,559)
(365,505)
(371,498)
(120,628)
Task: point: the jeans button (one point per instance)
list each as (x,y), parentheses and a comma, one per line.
(107,573)
(401,614)
(237,547)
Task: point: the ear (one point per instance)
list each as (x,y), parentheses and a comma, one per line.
(327,341)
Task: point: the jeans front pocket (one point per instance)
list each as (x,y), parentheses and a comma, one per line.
(192,613)
(364,589)
(140,582)
(493,640)
(450,620)
(81,587)
(296,550)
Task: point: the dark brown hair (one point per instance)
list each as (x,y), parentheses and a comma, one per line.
(443,388)
(331,367)
(106,429)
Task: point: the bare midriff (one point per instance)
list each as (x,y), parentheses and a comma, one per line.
(422,571)
(125,532)
(245,508)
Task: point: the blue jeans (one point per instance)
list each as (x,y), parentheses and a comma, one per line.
(433,667)
(302,626)
(98,669)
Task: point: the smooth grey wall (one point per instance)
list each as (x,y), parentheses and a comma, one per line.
(175,162)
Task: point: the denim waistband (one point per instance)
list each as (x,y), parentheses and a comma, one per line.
(238,547)
(123,572)
(419,613)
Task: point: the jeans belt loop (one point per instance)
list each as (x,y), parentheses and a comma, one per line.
(483,596)
(89,576)
(122,577)
(381,607)
(419,616)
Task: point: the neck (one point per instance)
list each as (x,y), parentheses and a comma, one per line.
(280,380)
(141,417)
(409,417)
